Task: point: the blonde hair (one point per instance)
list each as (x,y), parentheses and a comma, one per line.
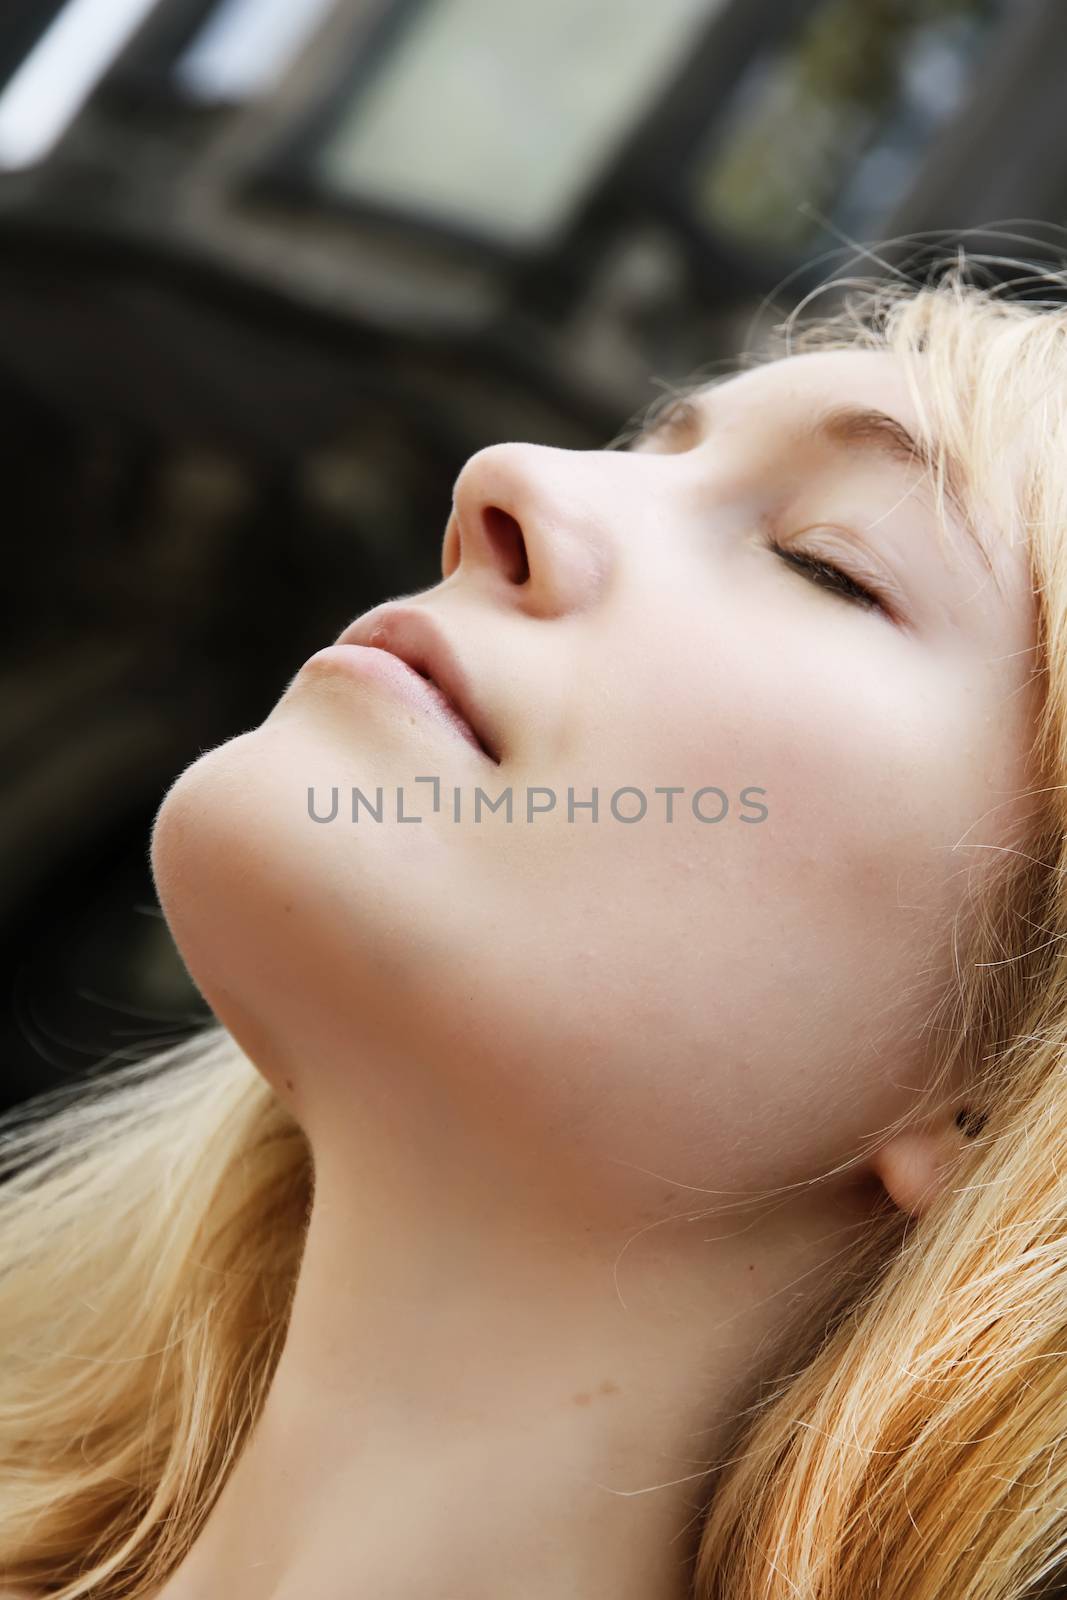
(908,1437)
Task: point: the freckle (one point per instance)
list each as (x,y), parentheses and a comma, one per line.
(288,906)
(752,1266)
(607,1387)
(581,1399)
(288,1083)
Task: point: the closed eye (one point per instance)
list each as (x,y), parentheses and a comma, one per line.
(828,576)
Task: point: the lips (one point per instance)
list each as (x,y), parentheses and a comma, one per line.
(413,635)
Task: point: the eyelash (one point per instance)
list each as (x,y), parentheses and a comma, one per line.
(827,576)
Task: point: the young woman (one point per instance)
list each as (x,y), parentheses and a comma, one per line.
(656,1191)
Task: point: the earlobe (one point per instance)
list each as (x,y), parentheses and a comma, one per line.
(915,1166)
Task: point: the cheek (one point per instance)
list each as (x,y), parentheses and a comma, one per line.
(873,758)
(737,974)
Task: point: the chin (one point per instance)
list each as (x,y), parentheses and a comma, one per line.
(209,856)
(287,926)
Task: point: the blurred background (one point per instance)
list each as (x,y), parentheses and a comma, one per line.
(271,270)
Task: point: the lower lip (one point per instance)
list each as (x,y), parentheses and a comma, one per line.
(368,662)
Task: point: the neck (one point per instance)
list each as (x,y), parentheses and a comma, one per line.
(467,1405)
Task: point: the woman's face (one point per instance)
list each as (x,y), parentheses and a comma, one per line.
(591,1003)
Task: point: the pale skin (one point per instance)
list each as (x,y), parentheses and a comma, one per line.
(527,1057)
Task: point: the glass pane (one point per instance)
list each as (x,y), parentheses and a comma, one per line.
(245,46)
(45,94)
(839,117)
(496,116)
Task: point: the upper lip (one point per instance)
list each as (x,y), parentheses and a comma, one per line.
(413,635)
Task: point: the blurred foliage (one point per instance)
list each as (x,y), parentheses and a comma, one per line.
(862,78)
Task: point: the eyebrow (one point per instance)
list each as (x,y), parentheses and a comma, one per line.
(865,427)
(873,429)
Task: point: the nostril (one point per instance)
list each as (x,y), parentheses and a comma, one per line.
(507,543)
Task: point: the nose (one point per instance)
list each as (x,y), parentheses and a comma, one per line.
(528,520)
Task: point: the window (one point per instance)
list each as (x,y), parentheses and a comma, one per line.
(497,118)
